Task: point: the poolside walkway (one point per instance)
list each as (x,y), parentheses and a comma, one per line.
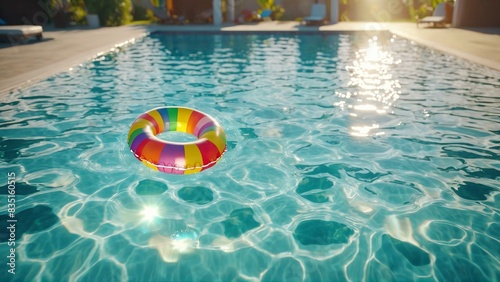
(61,49)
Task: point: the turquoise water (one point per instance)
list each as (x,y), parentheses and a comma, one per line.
(350,157)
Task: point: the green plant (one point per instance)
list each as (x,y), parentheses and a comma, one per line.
(79,15)
(277,10)
(60,5)
(77,10)
(416,8)
(110,12)
(140,13)
(422,8)
(92,6)
(60,12)
(150,15)
(266,4)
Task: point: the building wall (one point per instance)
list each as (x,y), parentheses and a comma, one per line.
(20,12)
(295,9)
(241,5)
(477,13)
(374,10)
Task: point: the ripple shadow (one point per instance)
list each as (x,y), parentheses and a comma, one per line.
(148,187)
(314,189)
(196,195)
(473,191)
(412,253)
(34,220)
(239,222)
(21,189)
(320,232)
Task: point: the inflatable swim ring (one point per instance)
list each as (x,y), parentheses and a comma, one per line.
(176,157)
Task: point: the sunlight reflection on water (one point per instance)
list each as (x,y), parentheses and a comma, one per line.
(374,88)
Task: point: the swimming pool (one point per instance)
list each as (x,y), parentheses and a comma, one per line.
(350,157)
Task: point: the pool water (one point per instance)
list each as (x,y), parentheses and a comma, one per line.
(350,157)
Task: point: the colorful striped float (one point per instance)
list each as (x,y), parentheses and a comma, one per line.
(175,157)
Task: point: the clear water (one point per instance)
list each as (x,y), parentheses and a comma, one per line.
(349,158)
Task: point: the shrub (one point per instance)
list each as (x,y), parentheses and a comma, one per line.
(277,10)
(111,12)
(78,11)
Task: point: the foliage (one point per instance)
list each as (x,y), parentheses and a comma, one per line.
(110,12)
(60,5)
(277,10)
(140,13)
(77,8)
(266,4)
(423,8)
(60,11)
(93,6)
(416,8)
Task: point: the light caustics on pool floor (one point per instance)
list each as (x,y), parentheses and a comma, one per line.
(350,157)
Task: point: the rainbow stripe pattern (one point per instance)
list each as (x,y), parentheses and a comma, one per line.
(175,157)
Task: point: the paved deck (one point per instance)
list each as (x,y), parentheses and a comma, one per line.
(23,64)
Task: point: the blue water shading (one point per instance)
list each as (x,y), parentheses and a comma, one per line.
(412,253)
(332,169)
(239,222)
(104,269)
(313,189)
(320,232)
(248,133)
(473,191)
(286,269)
(31,220)
(197,195)
(462,269)
(10,148)
(148,187)
(21,189)
(336,169)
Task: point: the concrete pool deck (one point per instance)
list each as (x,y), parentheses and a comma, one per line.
(61,49)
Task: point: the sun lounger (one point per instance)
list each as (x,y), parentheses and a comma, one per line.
(318,14)
(18,32)
(438,17)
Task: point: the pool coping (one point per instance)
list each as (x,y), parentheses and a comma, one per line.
(26,79)
(42,73)
(127,34)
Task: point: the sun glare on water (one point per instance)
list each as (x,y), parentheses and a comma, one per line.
(149,213)
(374,88)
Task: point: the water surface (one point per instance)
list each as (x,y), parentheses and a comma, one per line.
(350,157)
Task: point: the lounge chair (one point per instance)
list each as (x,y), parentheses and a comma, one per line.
(20,32)
(438,17)
(318,14)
